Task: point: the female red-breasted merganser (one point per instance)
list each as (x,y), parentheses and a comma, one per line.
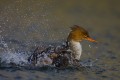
(75,37)
(60,57)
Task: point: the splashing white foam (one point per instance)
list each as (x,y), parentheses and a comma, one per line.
(17,58)
(8,56)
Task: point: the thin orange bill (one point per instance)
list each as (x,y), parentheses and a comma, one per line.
(90,39)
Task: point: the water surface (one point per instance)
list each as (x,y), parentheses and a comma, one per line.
(26,24)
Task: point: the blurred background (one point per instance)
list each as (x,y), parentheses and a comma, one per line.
(49,20)
(28,23)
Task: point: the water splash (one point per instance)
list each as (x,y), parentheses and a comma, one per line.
(14,58)
(8,56)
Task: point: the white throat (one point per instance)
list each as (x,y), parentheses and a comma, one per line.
(76,48)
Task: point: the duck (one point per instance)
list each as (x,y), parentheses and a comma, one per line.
(74,39)
(62,56)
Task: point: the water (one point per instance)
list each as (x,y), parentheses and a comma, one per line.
(26,24)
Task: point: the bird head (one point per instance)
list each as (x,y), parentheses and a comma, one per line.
(78,34)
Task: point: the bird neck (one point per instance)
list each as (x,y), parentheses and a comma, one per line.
(76,48)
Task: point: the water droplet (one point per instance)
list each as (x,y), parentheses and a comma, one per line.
(89,46)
